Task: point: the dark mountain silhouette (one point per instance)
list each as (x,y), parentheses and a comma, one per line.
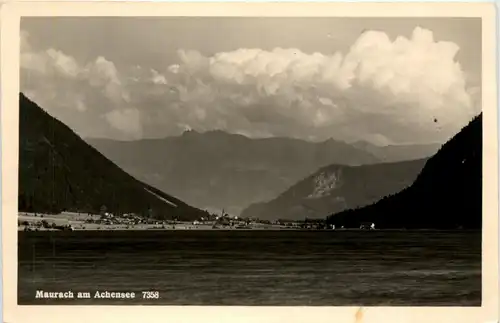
(58,172)
(335,188)
(396,153)
(219,170)
(447,194)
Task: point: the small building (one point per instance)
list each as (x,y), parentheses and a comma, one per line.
(367,226)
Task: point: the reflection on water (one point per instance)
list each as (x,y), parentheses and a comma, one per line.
(409,268)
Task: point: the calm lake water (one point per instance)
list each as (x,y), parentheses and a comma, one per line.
(336,268)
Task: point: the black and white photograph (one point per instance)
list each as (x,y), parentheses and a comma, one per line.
(250,161)
(247,161)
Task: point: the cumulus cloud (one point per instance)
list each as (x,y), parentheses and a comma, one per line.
(53,63)
(62,85)
(382,90)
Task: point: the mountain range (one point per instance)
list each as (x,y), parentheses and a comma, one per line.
(447,194)
(335,188)
(58,171)
(400,152)
(216,170)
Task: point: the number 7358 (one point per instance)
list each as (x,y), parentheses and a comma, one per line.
(151,294)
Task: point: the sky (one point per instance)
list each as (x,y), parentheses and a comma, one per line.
(382,80)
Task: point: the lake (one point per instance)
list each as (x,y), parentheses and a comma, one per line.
(262,268)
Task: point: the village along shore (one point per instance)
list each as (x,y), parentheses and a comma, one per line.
(68,221)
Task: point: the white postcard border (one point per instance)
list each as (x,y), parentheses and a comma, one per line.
(10,28)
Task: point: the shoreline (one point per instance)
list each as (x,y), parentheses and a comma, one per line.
(77,222)
(21,229)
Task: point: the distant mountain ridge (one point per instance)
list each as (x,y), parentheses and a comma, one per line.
(218,170)
(335,188)
(58,172)
(447,194)
(396,153)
